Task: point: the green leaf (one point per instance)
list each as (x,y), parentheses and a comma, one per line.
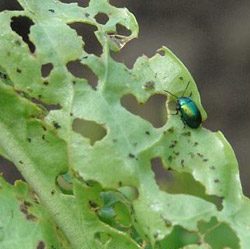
(112,199)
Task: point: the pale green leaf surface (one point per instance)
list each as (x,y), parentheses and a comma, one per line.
(43,145)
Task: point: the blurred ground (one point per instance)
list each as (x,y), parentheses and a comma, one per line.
(212,38)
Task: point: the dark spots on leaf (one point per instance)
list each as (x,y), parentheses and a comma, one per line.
(200,155)
(181,78)
(71,114)
(51,10)
(150,85)
(45,83)
(182,163)
(74,82)
(156,234)
(170,158)
(29,139)
(93,204)
(188,133)
(176,153)
(171,146)
(18,70)
(39,96)
(87,15)
(195,143)
(168,223)
(21,162)
(212,167)
(43,137)
(44,128)
(120,184)
(131,155)
(205,160)
(85,57)
(24,209)
(40,245)
(169,168)
(147,132)
(17,42)
(3,76)
(216,180)
(56,125)
(52,192)
(170,130)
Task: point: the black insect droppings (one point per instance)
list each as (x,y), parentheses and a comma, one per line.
(216,180)
(17,42)
(149,85)
(51,10)
(85,57)
(181,78)
(170,158)
(86,14)
(41,245)
(170,130)
(212,167)
(3,75)
(29,139)
(188,133)
(200,155)
(21,162)
(168,223)
(93,204)
(156,235)
(39,96)
(176,153)
(131,155)
(52,192)
(195,143)
(182,163)
(171,146)
(18,70)
(45,83)
(43,137)
(24,209)
(44,128)
(74,82)
(147,132)
(119,183)
(205,160)
(71,114)
(56,125)
(191,154)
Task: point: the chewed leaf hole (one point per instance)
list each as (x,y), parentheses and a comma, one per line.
(46,69)
(101,18)
(153,110)
(102,238)
(82,71)
(89,129)
(10,5)
(86,31)
(179,238)
(213,231)
(181,183)
(64,182)
(21,25)
(9,170)
(122,30)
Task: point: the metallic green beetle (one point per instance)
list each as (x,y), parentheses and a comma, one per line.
(190,113)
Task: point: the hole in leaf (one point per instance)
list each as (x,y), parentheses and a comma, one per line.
(10,5)
(86,31)
(101,18)
(46,69)
(102,238)
(64,182)
(122,30)
(83,71)
(181,183)
(153,110)
(21,25)
(179,238)
(214,232)
(9,170)
(89,129)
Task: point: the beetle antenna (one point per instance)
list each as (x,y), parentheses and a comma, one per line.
(185,89)
(171,94)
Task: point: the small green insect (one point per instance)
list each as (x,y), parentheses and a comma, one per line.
(190,113)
